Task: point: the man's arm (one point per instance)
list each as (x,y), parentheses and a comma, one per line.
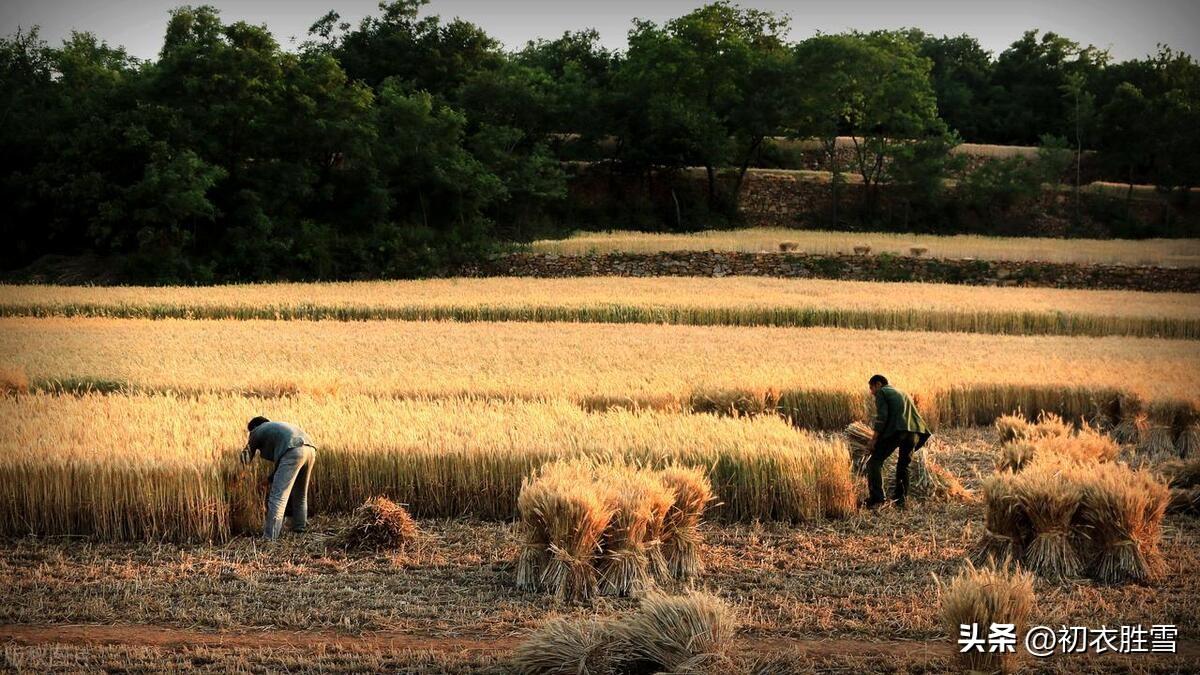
(253,444)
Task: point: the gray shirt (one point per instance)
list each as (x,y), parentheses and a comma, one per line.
(274,439)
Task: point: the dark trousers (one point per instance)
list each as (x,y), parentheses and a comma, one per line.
(884,449)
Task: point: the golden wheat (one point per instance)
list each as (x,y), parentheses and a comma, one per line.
(1174,252)
(163,466)
(743,301)
(816,375)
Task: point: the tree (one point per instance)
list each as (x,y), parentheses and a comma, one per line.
(1081,115)
(1125,142)
(421,52)
(875,88)
(1028,80)
(704,89)
(436,188)
(961,74)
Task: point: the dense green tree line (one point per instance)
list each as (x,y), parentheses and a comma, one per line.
(406,143)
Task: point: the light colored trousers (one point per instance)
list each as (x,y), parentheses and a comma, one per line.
(289,491)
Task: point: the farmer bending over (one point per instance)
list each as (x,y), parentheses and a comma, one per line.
(289,448)
(897,425)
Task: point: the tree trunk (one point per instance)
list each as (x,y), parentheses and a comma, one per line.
(712,186)
(745,166)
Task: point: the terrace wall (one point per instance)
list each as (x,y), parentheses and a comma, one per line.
(801,199)
(847,267)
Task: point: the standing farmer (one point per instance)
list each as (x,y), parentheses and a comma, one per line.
(289,448)
(898,425)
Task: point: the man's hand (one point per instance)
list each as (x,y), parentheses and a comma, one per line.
(247,455)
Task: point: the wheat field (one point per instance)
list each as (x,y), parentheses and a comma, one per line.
(815,375)
(742,301)
(1165,252)
(163,466)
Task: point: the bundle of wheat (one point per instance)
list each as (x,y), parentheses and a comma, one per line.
(1006,527)
(1132,427)
(1049,425)
(1156,441)
(1016,427)
(379,524)
(1012,427)
(1123,511)
(931,481)
(566,647)
(1180,473)
(1015,455)
(1184,500)
(1163,422)
(1130,412)
(681,535)
(245,491)
(1049,495)
(859,435)
(690,633)
(983,597)
(641,501)
(567,509)
(1187,442)
(1087,446)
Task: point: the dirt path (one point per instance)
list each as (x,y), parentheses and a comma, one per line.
(164,637)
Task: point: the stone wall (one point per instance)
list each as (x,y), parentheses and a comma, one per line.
(801,199)
(847,267)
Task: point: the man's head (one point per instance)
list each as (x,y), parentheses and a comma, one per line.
(876,382)
(256,423)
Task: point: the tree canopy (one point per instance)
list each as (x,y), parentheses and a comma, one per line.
(406,143)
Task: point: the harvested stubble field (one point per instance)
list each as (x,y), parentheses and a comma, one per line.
(741,301)
(813,375)
(1163,252)
(826,595)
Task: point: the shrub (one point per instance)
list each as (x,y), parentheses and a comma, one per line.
(380,524)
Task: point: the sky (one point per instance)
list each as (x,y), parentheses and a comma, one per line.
(1128,29)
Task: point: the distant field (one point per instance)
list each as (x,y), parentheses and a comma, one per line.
(818,375)
(743,301)
(1169,252)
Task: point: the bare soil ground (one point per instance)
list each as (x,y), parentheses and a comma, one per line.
(856,595)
